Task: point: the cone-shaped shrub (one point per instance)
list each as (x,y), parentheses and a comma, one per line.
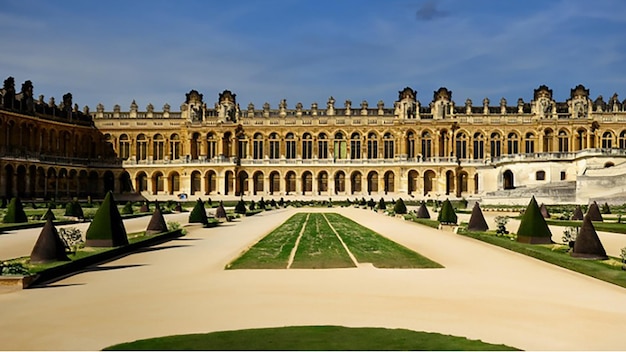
(594,212)
(49,215)
(240,208)
(220,212)
(381,204)
(262,204)
(74,209)
(107,228)
(198,213)
(588,244)
(477,220)
(128,208)
(144,207)
(399,207)
(605,208)
(447,214)
(157,222)
(252,205)
(178,207)
(422,211)
(49,246)
(15,212)
(533,228)
(544,211)
(578,213)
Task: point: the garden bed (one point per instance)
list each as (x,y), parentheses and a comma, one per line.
(98,256)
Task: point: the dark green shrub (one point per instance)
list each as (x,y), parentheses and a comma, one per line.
(262,204)
(381,204)
(578,213)
(281,202)
(252,205)
(447,214)
(362,201)
(594,212)
(198,213)
(240,208)
(49,214)
(533,228)
(107,228)
(477,220)
(399,207)
(273,203)
(605,209)
(15,212)
(127,209)
(371,203)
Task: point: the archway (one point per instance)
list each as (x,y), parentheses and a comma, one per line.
(290,182)
(449,182)
(196,181)
(322,182)
(141,182)
(355,182)
(21,181)
(8,185)
(109,181)
(412,181)
(242,183)
(340,182)
(258,182)
(389,180)
(461,183)
(509,181)
(125,183)
(173,182)
(157,182)
(429,177)
(372,182)
(228,182)
(210,182)
(307,182)
(274,182)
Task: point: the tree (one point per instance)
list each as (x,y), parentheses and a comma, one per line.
(605,208)
(422,211)
(578,213)
(533,228)
(198,213)
(107,228)
(399,207)
(15,212)
(477,220)
(381,204)
(447,214)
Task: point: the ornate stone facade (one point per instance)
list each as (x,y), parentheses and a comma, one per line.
(433,150)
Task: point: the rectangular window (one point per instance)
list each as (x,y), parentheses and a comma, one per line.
(372,149)
(291,149)
(322,149)
(258,150)
(307,149)
(274,150)
(355,149)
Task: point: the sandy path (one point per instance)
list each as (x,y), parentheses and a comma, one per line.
(483,292)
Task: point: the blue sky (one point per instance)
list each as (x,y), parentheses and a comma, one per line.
(155,51)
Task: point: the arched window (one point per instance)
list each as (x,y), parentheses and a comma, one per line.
(461,145)
(372,146)
(124,150)
(211,145)
(427,145)
(307,146)
(495,144)
(479,146)
(388,146)
(274,146)
(563,142)
(529,143)
(142,147)
(257,146)
(340,146)
(175,147)
(290,146)
(322,146)
(158,147)
(410,145)
(512,143)
(622,140)
(607,140)
(355,146)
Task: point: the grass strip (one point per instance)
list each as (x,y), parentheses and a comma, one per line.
(605,270)
(370,247)
(319,247)
(273,250)
(598,225)
(312,338)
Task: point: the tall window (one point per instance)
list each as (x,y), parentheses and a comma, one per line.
(607,140)
(461,145)
(290,146)
(124,147)
(410,145)
(340,146)
(242,148)
(211,146)
(622,140)
(512,143)
(257,146)
(388,146)
(158,145)
(274,146)
(563,142)
(322,146)
(372,146)
(479,146)
(496,145)
(427,145)
(175,147)
(142,147)
(548,137)
(529,143)
(355,146)
(307,146)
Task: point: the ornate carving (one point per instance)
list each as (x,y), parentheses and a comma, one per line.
(579,92)
(442,94)
(227,97)
(543,91)
(194,97)
(407,93)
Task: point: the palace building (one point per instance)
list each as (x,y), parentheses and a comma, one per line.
(561,152)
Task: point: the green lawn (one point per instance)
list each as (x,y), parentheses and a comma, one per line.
(319,246)
(307,338)
(605,270)
(598,225)
(273,250)
(370,247)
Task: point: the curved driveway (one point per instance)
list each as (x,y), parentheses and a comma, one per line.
(180,287)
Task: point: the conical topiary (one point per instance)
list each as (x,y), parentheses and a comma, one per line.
(198,213)
(49,215)
(588,244)
(477,220)
(544,211)
(594,212)
(240,208)
(49,246)
(533,228)
(422,211)
(381,204)
(447,214)
(220,212)
(578,213)
(107,228)
(157,222)
(144,207)
(127,209)
(178,207)
(15,212)
(399,207)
